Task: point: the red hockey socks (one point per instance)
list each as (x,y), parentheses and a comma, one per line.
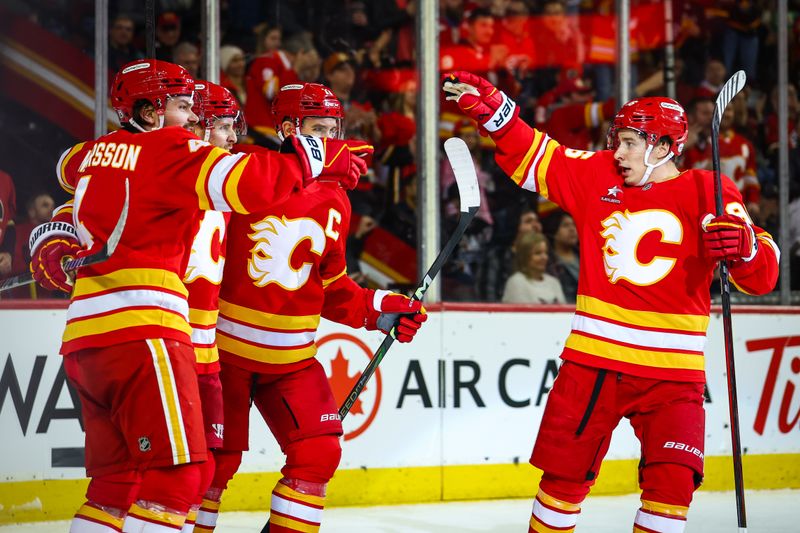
(225,466)
(552,515)
(666,494)
(296,506)
(108,499)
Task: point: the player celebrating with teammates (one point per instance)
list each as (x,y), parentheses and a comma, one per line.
(285,269)
(127,343)
(649,244)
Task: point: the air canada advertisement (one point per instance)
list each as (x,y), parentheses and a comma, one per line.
(469,390)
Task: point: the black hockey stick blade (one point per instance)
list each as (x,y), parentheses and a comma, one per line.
(469,195)
(74,264)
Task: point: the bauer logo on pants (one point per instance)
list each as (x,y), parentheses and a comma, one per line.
(344,358)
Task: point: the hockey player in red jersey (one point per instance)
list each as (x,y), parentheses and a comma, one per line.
(220,123)
(285,269)
(649,243)
(127,342)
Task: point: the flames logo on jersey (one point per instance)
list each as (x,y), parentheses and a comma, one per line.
(277,239)
(206,260)
(624,231)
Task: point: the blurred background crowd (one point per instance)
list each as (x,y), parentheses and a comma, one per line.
(556,58)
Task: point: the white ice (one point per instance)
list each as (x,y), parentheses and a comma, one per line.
(712,512)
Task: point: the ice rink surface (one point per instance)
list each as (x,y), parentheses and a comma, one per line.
(712,512)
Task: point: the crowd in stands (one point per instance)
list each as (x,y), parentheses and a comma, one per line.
(554,57)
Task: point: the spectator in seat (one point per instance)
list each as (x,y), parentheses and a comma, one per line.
(168,35)
(531,284)
(187,55)
(360,121)
(232,64)
(8,209)
(120,43)
(560,229)
(39,208)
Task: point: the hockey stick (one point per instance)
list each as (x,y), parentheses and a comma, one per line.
(469,196)
(74,264)
(726,94)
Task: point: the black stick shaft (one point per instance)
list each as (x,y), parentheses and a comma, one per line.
(725,290)
(433,271)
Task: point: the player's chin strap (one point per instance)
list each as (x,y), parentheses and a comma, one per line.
(650,166)
(136,125)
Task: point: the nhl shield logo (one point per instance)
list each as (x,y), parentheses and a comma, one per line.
(144,444)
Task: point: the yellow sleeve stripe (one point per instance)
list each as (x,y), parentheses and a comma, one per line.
(635,356)
(326,282)
(202,177)
(66,208)
(62,167)
(267,320)
(651,319)
(232,186)
(541,169)
(522,170)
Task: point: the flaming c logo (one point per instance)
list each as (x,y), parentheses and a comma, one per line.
(344,357)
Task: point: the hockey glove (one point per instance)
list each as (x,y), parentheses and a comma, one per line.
(398,310)
(491,108)
(52,244)
(729,237)
(331,159)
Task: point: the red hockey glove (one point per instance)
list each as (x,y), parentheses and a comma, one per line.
(52,244)
(491,108)
(729,237)
(396,309)
(331,159)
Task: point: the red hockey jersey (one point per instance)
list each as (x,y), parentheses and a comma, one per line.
(202,279)
(643,291)
(138,292)
(284,269)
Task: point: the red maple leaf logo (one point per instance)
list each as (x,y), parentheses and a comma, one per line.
(342,382)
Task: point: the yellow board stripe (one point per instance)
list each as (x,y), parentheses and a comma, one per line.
(202,177)
(232,186)
(634,356)
(665,508)
(263,355)
(156,278)
(170,400)
(293,525)
(267,320)
(522,170)
(649,319)
(203,317)
(282,489)
(126,319)
(96,514)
